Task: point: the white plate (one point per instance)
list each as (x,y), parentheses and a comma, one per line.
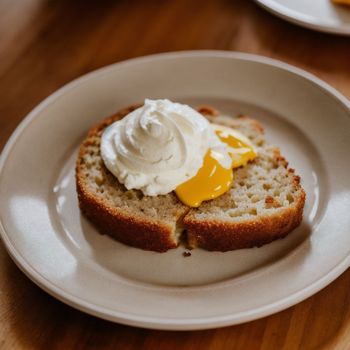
(60,251)
(320,15)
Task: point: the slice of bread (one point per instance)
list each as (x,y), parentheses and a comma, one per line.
(265,202)
(151,223)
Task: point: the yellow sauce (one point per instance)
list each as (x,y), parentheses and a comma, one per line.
(212,179)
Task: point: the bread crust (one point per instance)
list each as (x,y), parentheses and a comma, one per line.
(150,234)
(132,230)
(223,236)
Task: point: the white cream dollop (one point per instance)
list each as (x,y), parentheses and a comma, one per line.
(159,146)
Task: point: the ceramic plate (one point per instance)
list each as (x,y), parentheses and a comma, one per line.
(60,251)
(320,15)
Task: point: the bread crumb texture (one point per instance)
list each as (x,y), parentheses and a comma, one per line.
(264,203)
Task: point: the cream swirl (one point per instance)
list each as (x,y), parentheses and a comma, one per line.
(157,147)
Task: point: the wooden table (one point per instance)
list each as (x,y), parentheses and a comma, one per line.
(45,44)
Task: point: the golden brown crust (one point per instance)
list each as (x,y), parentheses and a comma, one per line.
(207,111)
(223,236)
(133,231)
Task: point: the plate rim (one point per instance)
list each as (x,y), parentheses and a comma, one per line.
(166,323)
(293,17)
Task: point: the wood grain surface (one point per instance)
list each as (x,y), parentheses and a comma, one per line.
(45,44)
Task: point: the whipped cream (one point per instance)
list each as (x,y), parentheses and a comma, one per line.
(159,146)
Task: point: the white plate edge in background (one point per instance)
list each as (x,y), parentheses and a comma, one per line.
(295,18)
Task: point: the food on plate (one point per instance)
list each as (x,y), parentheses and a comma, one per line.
(155,174)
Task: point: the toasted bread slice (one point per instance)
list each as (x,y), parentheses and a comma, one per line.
(151,223)
(265,202)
